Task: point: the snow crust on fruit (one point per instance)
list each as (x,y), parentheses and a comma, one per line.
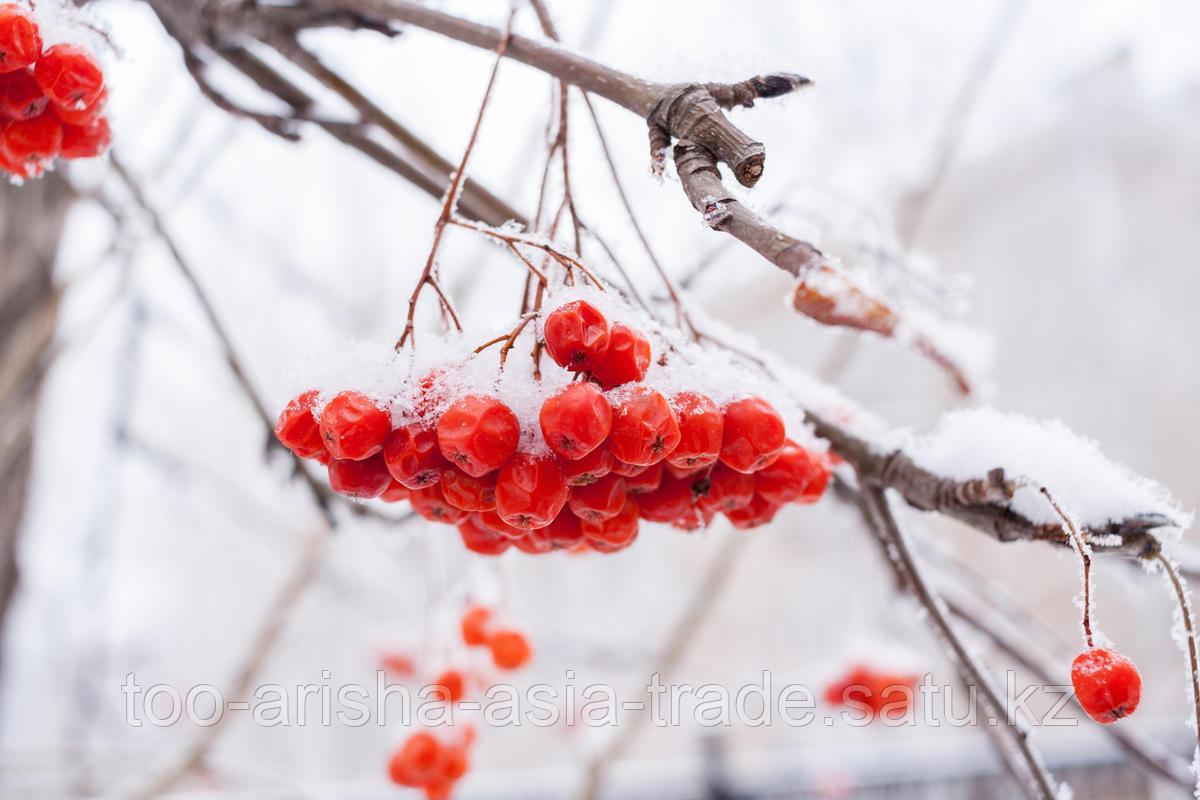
(1097,490)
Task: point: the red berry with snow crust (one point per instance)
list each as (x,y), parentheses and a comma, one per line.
(69,76)
(1107,684)
(576,335)
(297,427)
(625,360)
(413,456)
(354,426)
(754,434)
(576,420)
(644,430)
(478,434)
(530,491)
(701,426)
(363,479)
(20,42)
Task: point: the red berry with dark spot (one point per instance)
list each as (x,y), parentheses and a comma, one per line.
(565,531)
(478,434)
(576,335)
(754,434)
(69,76)
(671,500)
(32,143)
(589,469)
(615,532)
(644,430)
(297,427)
(469,494)
(701,426)
(728,489)
(396,492)
(363,479)
(20,96)
(530,491)
(1107,684)
(87,141)
(576,420)
(354,426)
(20,42)
(796,475)
(759,511)
(85,116)
(601,500)
(626,359)
(431,504)
(646,480)
(413,456)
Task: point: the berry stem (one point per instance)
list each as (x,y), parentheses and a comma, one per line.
(1085,556)
(1185,613)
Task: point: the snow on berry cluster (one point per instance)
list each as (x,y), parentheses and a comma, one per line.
(576,457)
(51,100)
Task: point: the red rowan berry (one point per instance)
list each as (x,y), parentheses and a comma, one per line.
(701,425)
(576,335)
(510,649)
(754,434)
(682,472)
(455,763)
(534,542)
(629,470)
(396,492)
(431,504)
(576,420)
(397,664)
(626,359)
(438,790)
(671,500)
(616,531)
(20,96)
(695,518)
(362,479)
(475,625)
(565,530)
(297,428)
(20,42)
(354,427)
(414,457)
(530,491)
(1107,684)
(644,429)
(589,469)
(417,761)
(450,686)
(32,142)
(787,479)
(478,434)
(759,511)
(480,539)
(647,479)
(83,117)
(88,141)
(728,489)
(469,494)
(491,520)
(601,500)
(69,76)
(11,165)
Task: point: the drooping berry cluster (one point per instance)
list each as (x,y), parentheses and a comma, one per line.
(873,691)
(51,100)
(613,450)
(432,762)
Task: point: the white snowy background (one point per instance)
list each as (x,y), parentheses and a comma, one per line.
(1069,217)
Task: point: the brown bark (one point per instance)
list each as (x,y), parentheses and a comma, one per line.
(31,219)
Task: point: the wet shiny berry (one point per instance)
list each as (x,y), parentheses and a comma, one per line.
(478,434)
(589,469)
(482,540)
(598,501)
(644,430)
(69,76)
(576,334)
(753,436)
(363,479)
(354,426)
(576,420)
(625,360)
(530,491)
(414,457)
(297,427)
(20,42)
(1107,684)
(469,494)
(701,426)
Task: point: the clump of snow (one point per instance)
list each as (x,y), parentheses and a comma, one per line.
(967,444)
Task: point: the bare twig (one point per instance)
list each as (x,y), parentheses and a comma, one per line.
(1085,556)
(1189,628)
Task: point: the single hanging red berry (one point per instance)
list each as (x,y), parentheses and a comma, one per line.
(644,430)
(20,96)
(576,420)
(354,426)
(83,117)
(510,649)
(601,500)
(1107,684)
(576,335)
(589,469)
(478,434)
(362,479)
(416,762)
(297,427)
(414,457)
(614,533)
(88,141)
(33,143)
(474,625)
(796,475)
(701,426)
(20,42)
(759,511)
(469,494)
(530,492)
(728,489)
(626,359)
(450,686)
(69,76)
(754,434)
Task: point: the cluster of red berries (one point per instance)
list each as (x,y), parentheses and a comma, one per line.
(427,761)
(615,457)
(866,689)
(51,101)
(1107,684)
(509,647)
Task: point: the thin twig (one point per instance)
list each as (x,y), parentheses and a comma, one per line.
(1085,556)
(1185,613)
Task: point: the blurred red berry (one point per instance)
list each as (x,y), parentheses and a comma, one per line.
(20,96)
(510,649)
(480,539)
(69,76)
(362,479)
(625,360)
(83,117)
(450,686)
(601,500)
(88,141)
(297,427)
(1107,684)
(754,434)
(469,494)
(475,625)
(644,430)
(576,420)
(478,434)
(416,762)
(576,335)
(20,42)
(33,143)
(695,518)
(431,504)
(759,511)
(530,491)
(701,425)
(414,457)
(354,427)
(589,469)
